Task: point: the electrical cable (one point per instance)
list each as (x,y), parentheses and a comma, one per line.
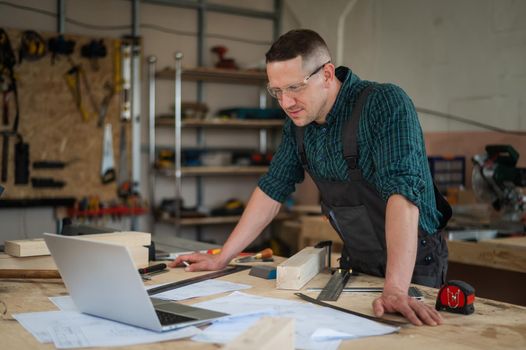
(142,25)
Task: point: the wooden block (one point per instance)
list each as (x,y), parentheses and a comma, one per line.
(127,238)
(299,269)
(27,263)
(26,247)
(269,333)
(139,256)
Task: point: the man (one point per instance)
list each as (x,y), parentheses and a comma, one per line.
(362,144)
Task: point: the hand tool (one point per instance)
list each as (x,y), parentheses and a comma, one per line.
(333,288)
(413,291)
(263,271)
(107,169)
(32,46)
(52,164)
(72,77)
(179,284)
(173,256)
(152,268)
(264,254)
(103,110)
(372,318)
(41,182)
(21,163)
(456,297)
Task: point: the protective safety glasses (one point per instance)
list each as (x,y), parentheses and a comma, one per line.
(293,89)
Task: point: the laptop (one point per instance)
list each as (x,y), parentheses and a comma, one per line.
(103,281)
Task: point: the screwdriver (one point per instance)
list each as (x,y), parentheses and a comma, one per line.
(264,254)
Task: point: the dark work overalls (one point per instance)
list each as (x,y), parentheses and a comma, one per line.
(357,213)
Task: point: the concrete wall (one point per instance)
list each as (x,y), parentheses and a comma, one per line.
(464,57)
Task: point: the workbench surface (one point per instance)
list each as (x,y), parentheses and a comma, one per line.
(494,324)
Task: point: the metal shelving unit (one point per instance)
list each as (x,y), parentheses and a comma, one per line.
(202,75)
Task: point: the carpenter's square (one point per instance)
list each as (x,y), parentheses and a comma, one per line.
(107,172)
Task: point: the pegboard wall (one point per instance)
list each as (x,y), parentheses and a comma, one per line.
(54,127)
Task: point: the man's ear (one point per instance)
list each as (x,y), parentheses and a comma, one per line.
(329,73)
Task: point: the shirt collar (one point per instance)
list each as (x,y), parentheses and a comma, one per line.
(348,80)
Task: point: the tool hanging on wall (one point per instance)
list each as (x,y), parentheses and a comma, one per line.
(103,110)
(8,80)
(59,46)
(52,164)
(94,50)
(32,46)
(74,77)
(107,171)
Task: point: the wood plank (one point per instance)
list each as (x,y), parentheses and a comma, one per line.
(503,253)
(216,170)
(216,75)
(269,333)
(26,247)
(214,220)
(299,269)
(222,123)
(126,238)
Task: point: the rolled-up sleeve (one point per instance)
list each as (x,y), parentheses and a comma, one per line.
(397,145)
(285,170)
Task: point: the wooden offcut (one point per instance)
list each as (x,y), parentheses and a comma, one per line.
(126,238)
(295,272)
(26,247)
(269,333)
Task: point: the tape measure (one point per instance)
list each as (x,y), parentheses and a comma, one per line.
(457,297)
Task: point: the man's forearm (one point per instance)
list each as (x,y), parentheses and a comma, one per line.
(260,211)
(401,231)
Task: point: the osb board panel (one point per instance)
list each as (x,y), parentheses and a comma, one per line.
(53,126)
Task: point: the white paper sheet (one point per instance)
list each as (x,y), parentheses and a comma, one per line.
(201,289)
(70,329)
(64,303)
(316,327)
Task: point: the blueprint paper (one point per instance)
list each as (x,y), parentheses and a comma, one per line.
(69,329)
(316,327)
(64,303)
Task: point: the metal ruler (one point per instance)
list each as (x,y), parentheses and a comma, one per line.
(333,288)
(179,284)
(372,318)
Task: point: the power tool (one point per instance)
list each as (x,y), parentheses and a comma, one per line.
(456,297)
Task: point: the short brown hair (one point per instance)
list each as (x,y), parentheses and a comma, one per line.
(297,42)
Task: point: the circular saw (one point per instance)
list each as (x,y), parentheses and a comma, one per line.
(496,179)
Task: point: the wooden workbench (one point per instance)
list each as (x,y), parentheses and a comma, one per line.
(495,267)
(494,324)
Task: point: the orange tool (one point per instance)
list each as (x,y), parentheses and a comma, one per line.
(264,254)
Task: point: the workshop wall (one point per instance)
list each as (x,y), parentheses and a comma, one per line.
(112,19)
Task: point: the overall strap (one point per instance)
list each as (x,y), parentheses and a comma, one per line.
(350,134)
(299,133)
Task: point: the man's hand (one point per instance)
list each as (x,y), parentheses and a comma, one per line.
(417,312)
(200,262)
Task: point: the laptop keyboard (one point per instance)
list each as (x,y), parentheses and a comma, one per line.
(168,318)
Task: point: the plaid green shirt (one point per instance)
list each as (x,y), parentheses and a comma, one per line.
(392,153)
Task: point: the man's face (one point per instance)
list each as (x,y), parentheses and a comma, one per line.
(302,100)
